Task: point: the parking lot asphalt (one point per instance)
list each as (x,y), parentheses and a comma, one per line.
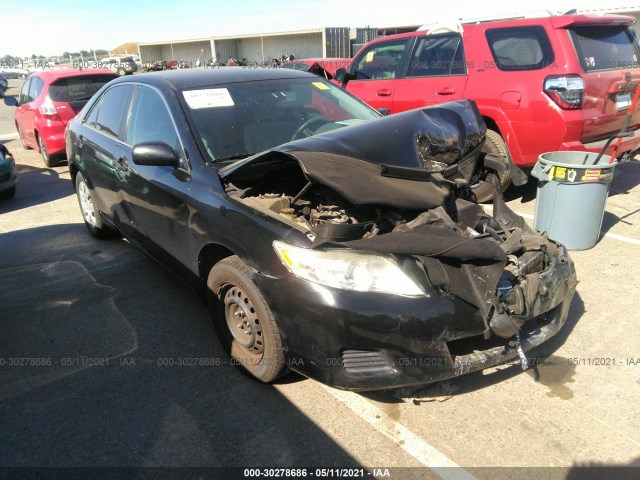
(108,360)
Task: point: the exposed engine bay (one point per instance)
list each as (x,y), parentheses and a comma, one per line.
(408,195)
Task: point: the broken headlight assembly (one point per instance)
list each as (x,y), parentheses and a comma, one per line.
(348,270)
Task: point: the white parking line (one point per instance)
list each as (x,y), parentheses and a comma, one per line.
(615,236)
(9,136)
(411,443)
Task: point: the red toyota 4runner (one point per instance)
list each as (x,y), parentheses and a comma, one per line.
(542,84)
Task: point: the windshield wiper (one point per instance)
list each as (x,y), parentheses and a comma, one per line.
(235,156)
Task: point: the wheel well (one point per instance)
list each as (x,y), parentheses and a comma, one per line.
(491,124)
(209,256)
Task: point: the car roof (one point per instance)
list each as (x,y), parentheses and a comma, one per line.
(557,21)
(202,77)
(51,75)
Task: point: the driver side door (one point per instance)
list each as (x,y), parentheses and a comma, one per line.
(373,73)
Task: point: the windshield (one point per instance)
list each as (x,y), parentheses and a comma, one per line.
(236,120)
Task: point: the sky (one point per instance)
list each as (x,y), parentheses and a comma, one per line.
(45,27)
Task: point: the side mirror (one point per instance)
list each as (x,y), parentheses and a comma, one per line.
(383,111)
(11,101)
(340,75)
(155,154)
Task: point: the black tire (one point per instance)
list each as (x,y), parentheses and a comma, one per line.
(90,213)
(8,193)
(49,160)
(24,145)
(254,343)
(121,71)
(495,146)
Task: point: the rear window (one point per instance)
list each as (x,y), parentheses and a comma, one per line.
(77,89)
(605,48)
(522,48)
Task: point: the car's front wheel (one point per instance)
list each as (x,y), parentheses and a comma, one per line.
(121,71)
(89,210)
(488,179)
(245,324)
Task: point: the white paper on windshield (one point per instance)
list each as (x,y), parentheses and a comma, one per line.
(208,98)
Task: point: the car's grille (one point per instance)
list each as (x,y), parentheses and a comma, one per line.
(363,360)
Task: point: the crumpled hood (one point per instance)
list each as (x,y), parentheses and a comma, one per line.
(410,160)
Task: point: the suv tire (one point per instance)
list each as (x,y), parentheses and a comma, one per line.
(494,145)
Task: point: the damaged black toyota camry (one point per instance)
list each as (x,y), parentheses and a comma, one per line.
(332,241)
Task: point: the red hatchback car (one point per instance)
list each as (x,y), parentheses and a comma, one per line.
(48,101)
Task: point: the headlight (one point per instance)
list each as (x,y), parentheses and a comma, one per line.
(348,270)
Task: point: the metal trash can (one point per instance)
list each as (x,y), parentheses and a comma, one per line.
(571,196)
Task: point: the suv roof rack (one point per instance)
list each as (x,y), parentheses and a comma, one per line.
(456,26)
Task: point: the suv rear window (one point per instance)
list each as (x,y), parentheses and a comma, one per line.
(522,48)
(77,89)
(604,48)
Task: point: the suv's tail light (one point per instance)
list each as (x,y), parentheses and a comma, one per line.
(47,108)
(567,90)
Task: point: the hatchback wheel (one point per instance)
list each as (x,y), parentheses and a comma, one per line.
(89,211)
(49,160)
(495,146)
(245,324)
(24,145)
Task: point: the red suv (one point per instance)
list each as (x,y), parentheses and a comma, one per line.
(542,84)
(47,101)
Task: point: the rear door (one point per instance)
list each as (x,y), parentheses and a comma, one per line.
(374,72)
(25,113)
(98,139)
(436,73)
(610,59)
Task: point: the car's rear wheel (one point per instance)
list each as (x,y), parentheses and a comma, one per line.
(483,189)
(24,145)
(121,71)
(89,210)
(245,324)
(49,160)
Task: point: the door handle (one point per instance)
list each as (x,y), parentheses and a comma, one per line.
(122,164)
(446,91)
(383,92)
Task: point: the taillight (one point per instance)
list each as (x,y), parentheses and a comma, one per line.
(47,107)
(567,90)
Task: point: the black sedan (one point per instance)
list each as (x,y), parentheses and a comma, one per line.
(332,241)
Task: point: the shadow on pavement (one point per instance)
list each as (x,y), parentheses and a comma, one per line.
(115,363)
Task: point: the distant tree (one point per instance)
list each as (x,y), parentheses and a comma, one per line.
(85,53)
(33,56)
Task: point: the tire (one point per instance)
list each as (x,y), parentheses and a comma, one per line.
(24,145)
(483,190)
(244,322)
(49,160)
(8,193)
(90,213)
(121,71)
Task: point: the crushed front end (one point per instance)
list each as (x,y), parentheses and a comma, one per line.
(489,288)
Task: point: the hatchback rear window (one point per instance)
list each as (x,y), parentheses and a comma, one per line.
(522,48)
(77,89)
(605,48)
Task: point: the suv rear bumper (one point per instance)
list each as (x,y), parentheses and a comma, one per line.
(629,145)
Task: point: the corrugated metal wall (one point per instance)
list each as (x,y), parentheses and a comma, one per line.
(259,49)
(188,51)
(337,42)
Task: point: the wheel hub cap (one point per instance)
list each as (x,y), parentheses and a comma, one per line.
(242,320)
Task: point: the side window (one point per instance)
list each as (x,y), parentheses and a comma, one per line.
(35,88)
(521,48)
(24,92)
(93,114)
(150,120)
(436,56)
(379,61)
(113,108)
